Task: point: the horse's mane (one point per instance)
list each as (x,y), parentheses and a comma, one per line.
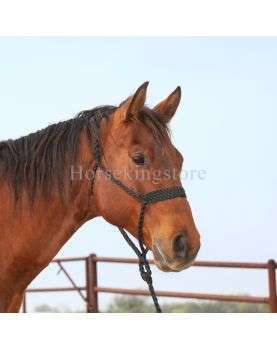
(38,162)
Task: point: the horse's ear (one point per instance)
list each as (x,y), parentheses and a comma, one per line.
(130,109)
(168,107)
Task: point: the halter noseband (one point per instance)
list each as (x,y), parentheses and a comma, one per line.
(144,199)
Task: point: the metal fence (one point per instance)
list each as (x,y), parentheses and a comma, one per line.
(89,292)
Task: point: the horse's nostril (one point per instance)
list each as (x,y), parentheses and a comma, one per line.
(179,245)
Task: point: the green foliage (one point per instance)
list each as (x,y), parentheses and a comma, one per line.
(46,308)
(125,304)
(135,304)
(129,304)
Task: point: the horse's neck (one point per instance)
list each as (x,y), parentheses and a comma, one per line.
(29,239)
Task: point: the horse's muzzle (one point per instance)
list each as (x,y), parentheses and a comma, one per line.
(177,257)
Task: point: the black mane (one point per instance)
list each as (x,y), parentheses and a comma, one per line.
(39,162)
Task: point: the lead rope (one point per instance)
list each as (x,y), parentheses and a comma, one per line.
(144,267)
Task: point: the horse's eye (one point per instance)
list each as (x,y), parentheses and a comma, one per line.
(139,159)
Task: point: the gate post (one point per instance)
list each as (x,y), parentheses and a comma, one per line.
(24,306)
(272,285)
(91,283)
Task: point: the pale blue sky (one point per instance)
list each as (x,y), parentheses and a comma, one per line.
(226,125)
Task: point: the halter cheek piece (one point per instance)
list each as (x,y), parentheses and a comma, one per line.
(144,199)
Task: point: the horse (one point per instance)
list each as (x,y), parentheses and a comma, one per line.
(49,189)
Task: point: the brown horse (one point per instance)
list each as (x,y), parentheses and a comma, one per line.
(46,189)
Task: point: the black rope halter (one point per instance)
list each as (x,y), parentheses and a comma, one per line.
(144,199)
